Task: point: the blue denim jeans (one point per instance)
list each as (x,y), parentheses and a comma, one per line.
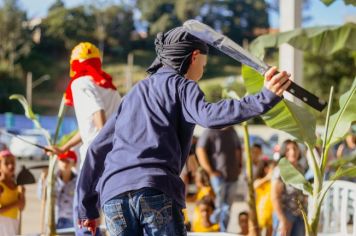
(225,193)
(63,223)
(296,221)
(146,211)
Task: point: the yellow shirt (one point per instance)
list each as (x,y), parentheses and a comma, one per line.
(204,191)
(198,227)
(264,204)
(197,224)
(7,197)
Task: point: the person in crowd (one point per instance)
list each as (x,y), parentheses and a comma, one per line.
(136,160)
(202,221)
(12,196)
(256,156)
(287,218)
(219,154)
(204,189)
(203,185)
(64,189)
(262,185)
(348,147)
(243,220)
(190,167)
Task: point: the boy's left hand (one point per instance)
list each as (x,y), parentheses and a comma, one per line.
(90,224)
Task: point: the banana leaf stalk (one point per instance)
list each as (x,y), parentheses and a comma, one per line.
(50,205)
(253,229)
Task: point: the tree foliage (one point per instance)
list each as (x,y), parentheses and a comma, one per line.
(347,2)
(15,37)
(236,19)
(69,26)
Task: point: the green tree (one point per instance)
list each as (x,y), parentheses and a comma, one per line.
(113,27)
(236,19)
(15,38)
(321,72)
(57,4)
(69,26)
(160,15)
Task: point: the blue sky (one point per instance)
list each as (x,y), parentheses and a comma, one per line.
(321,14)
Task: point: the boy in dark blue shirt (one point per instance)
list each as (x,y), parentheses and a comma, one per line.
(135,161)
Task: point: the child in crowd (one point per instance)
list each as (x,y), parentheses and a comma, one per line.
(187,174)
(204,189)
(262,186)
(202,223)
(243,223)
(203,185)
(64,189)
(256,156)
(12,197)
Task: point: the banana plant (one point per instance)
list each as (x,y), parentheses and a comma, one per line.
(298,122)
(50,228)
(320,40)
(347,2)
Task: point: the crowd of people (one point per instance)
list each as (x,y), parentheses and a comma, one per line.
(136,154)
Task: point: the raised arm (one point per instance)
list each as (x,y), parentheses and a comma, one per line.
(231,111)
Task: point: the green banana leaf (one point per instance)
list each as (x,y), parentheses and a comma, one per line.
(30,114)
(230,94)
(341,121)
(321,40)
(349,172)
(28,110)
(345,160)
(60,117)
(285,116)
(347,2)
(64,139)
(292,176)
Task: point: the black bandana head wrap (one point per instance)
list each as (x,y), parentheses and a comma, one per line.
(174,49)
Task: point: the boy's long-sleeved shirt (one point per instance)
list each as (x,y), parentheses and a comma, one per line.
(146,143)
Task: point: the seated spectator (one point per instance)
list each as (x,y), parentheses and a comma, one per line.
(64,189)
(243,223)
(187,174)
(256,156)
(262,186)
(204,189)
(201,221)
(202,183)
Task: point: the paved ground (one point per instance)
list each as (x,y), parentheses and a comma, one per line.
(32,212)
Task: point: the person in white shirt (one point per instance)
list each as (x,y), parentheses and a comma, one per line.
(94,98)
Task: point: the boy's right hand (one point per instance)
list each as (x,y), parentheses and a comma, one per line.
(277,82)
